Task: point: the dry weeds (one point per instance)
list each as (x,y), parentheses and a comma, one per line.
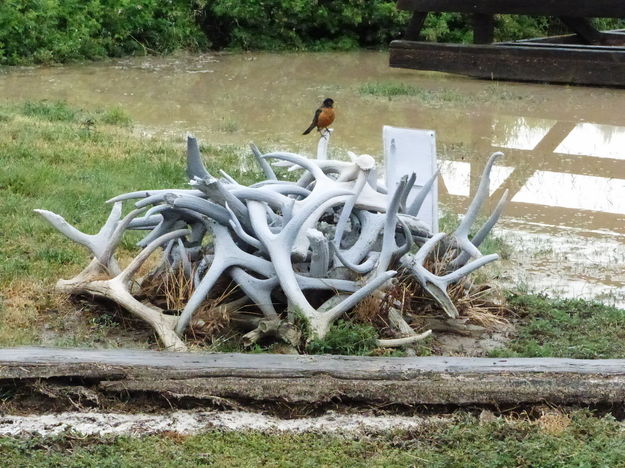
(553,421)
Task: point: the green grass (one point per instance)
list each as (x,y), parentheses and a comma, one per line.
(70,161)
(559,440)
(47,110)
(571,328)
(389,89)
(431,98)
(443,96)
(347,338)
(116,116)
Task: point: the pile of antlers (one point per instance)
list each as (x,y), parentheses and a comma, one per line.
(335,230)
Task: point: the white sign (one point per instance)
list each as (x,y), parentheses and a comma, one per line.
(408,150)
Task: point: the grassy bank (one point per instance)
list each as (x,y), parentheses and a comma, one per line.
(570,328)
(554,439)
(70,161)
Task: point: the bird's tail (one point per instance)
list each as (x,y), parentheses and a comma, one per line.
(309,129)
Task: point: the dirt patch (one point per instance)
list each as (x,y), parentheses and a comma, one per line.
(451,344)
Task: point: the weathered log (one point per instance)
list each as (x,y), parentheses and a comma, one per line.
(262,378)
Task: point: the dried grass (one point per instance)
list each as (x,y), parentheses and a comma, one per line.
(170,290)
(554,422)
(214,317)
(482,304)
(21,305)
(371,310)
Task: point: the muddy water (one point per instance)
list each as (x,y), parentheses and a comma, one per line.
(564,146)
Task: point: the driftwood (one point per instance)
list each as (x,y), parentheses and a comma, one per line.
(262,378)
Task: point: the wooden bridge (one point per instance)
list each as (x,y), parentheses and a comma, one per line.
(587,56)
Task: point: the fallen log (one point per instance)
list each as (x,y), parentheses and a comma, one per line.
(317,380)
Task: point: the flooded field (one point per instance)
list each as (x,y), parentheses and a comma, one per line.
(564,146)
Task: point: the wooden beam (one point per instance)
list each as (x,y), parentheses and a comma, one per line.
(415,25)
(483,28)
(565,47)
(579,8)
(591,65)
(610,37)
(609,40)
(277,379)
(584,29)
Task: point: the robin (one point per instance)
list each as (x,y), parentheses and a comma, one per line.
(324,116)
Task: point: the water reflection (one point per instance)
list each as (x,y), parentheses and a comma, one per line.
(565,189)
(566,214)
(575,191)
(564,146)
(456,177)
(589,139)
(519,132)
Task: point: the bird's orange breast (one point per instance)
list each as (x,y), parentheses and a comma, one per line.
(325,118)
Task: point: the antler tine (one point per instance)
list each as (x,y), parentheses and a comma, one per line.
(228,178)
(272,197)
(117,235)
(219,194)
(404,197)
(346,211)
(416,204)
(363,268)
(264,165)
(461,234)
(173,218)
(236,226)
(184,257)
(126,275)
(479,237)
(492,220)
(388,238)
(96,243)
(331,284)
(306,163)
(409,240)
(370,226)
(203,207)
(258,290)
(320,256)
(195,166)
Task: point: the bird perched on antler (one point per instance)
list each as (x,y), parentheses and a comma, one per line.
(323,118)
